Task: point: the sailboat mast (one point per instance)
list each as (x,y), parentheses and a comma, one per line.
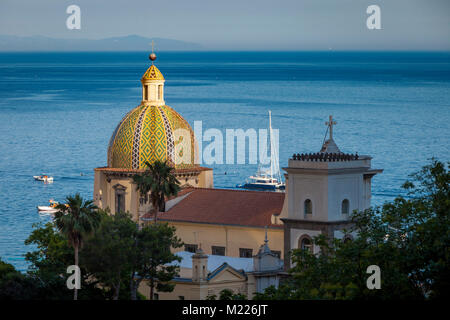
(270,138)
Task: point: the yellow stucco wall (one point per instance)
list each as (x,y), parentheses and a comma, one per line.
(230,237)
(104,192)
(205,235)
(201,290)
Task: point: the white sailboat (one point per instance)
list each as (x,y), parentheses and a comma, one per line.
(269,178)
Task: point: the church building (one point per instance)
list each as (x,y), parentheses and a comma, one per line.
(322,189)
(147,133)
(222,222)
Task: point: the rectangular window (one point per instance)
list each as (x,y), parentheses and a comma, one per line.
(120,200)
(145,92)
(181,297)
(160,92)
(218,251)
(156,296)
(245,253)
(277,253)
(190,248)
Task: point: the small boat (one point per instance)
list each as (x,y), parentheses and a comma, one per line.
(44,178)
(51,208)
(270,178)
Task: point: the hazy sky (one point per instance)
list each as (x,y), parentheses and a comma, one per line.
(242,24)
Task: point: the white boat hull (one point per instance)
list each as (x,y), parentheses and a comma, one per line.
(39,178)
(269,186)
(46,209)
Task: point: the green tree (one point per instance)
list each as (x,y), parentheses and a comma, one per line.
(159,179)
(53,253)
(76,219)
(153,259)
(16,286)
(48,264)
(49,261)
(227,294)
(272,293)
(108,254)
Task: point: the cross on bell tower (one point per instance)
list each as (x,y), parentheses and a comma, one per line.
(330,123)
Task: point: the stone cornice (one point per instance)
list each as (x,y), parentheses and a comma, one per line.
(120,172)
(320,171)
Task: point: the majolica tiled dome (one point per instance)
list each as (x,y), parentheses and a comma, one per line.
(150,132)
(146,133)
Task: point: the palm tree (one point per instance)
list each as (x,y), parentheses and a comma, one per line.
(76,219)
(159,179)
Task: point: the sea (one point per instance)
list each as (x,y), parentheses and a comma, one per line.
(58,111)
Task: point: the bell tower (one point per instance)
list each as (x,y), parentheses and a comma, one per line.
(322,191)
(199,266)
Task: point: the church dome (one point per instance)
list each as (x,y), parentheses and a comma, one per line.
(147,133)
(152,131)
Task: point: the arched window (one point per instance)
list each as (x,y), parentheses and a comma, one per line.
(305,243)
(345,207)
(308,206)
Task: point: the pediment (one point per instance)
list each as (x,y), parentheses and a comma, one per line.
(119,186)
(227,274)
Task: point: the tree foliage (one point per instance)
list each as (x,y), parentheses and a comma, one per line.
(15,285)
(117,256)
(49,262)
(108,253)
(227,294)
(154,259)
(76,219)
(159,179)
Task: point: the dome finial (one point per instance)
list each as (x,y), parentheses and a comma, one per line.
(152,55)
(265,238)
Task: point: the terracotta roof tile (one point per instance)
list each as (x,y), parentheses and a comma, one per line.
(182,192)
(229,207)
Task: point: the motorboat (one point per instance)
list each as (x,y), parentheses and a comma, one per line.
(262,181)
(44,178)
(51,208)
(271,177)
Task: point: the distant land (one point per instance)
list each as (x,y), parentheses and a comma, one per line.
(126,43)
